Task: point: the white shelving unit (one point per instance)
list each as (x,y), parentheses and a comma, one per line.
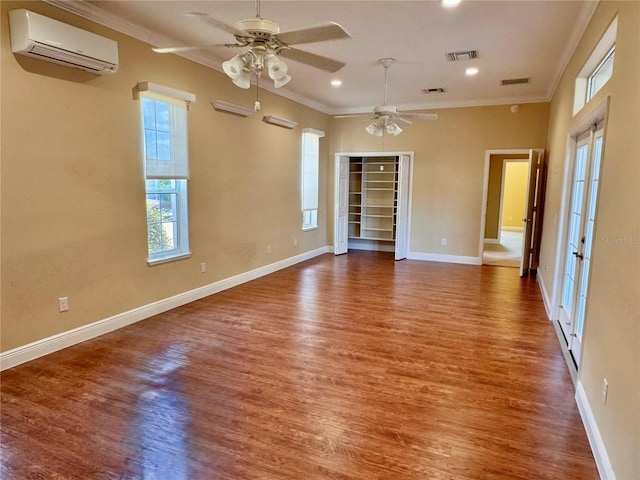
(373,197)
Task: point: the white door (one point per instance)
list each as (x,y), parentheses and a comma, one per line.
(341,227)
(577,262)
(402,207)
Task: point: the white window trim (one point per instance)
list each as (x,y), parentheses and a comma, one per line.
(171,96)
(310,206)
(600,52)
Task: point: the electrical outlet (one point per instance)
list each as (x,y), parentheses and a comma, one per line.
(63,304)
(605,389)
(295,242)
(444,241)
(269,249)
(203,267)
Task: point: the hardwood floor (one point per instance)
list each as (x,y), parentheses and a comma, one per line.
(347,368)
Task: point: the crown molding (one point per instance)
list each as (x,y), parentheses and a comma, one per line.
(95,14)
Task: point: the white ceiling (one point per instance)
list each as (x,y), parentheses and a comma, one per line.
(514,39)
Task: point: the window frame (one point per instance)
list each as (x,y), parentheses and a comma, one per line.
(591,90)
(604,50)
(177,173)
(310,177)
(181,249)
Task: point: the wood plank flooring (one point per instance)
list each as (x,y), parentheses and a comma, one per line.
(342,368)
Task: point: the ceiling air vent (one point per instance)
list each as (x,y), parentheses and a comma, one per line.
(515,81)
(433,90)
(465,55)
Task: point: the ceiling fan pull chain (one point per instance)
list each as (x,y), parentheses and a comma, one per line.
(386,68)
(257,105)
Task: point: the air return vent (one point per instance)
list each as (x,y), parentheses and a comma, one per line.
(515,81)
(433,90)
(463,55)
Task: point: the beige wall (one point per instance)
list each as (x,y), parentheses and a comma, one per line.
(515,190)
(494,193)
(611,344)
(73,199)
(448,173)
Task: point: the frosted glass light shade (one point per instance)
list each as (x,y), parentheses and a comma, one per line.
(374,130)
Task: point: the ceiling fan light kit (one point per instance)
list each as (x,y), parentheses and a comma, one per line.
(377,128)
(386,117)
(265,44)
(240,68)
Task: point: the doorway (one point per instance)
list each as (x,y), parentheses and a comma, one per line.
(372,197)
(511,208)
(504,229)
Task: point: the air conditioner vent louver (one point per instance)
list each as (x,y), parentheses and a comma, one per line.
(433,90)
(515,81)
(462,55)
(73,59)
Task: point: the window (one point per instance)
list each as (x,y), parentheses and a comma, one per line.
(601,74)
(597,70)
(310,177)
(164,126)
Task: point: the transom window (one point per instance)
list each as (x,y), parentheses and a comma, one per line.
(601,74)
(597,70)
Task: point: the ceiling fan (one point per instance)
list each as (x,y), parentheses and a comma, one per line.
(265,44)
(387,117)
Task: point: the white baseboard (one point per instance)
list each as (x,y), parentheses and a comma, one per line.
(493,241)
(37,349)
(435,257)
(593,434)
(546,300)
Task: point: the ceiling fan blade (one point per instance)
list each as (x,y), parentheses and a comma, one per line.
(331,31)
(401,120)
(353,115)
(318,61)
(187,48)
(205,17)
(420,116)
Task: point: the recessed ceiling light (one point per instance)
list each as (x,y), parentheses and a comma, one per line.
(450,3)
(471,71)
(336,82)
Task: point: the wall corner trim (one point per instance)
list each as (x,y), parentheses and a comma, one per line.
(593,434)
(40,348)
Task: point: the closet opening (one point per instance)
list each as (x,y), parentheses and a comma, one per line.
(372,197)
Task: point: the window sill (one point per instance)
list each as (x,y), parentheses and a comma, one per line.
(172,258)
(307,229)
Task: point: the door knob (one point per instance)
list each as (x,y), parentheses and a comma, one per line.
(579,255)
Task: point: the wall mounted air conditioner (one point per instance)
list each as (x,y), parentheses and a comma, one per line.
(47,39)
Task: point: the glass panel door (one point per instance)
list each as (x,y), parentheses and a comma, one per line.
(579,241)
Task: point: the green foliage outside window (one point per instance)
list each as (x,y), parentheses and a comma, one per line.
(157,238)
